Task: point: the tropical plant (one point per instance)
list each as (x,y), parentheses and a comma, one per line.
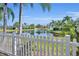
(56,25)
(68,27)
(77,32)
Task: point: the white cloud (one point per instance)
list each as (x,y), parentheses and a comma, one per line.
(73,14)
(42,18)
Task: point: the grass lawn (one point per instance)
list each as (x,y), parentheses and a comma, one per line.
(11,31)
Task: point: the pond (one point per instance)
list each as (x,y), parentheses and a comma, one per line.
(38,33)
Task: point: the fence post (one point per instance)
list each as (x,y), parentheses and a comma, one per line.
(19,51)
(14,44)
(67,37)
(56,46)
(74,47)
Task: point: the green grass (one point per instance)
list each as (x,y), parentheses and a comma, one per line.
(11,31)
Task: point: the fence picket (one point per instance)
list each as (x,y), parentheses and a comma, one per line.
(56,47)
(40,45)
(34,46)
(37,38)
(44,46)
(62,48)
(48,47)
(52,45)
(67,37)
(23,48)
(74,47)
(28,46)
(25,41)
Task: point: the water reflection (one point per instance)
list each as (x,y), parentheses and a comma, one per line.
(38,33)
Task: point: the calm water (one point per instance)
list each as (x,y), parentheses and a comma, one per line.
(41,34)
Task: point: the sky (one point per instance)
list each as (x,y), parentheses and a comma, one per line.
(36,15)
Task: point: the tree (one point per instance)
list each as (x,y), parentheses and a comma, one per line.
(68,27)
(5,14)
(77,32)
(24,25)
(16,25)
(55,24)
(32,26)
(38,26)
(43,5)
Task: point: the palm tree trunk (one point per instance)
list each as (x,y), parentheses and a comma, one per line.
(5,18)
(20,18)
(4,24)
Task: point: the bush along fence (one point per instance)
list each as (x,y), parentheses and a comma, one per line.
(30,45)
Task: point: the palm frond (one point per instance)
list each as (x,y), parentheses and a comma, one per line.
(31,4)
(15,4)
(10,13)
(1,13)
(1,4)
(45,6)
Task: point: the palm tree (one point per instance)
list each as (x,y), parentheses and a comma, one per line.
(43,5)
(56,24)
(20,18)
(5,17)
(69,27)
(5,14)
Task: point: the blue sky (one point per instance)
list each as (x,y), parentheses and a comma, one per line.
(37,16)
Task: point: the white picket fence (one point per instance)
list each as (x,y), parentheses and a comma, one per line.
(29,45)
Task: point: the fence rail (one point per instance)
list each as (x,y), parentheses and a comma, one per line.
(29,45)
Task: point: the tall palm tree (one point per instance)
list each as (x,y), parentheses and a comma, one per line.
(5,14)
(5,17)
(43,5)
(20,18)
